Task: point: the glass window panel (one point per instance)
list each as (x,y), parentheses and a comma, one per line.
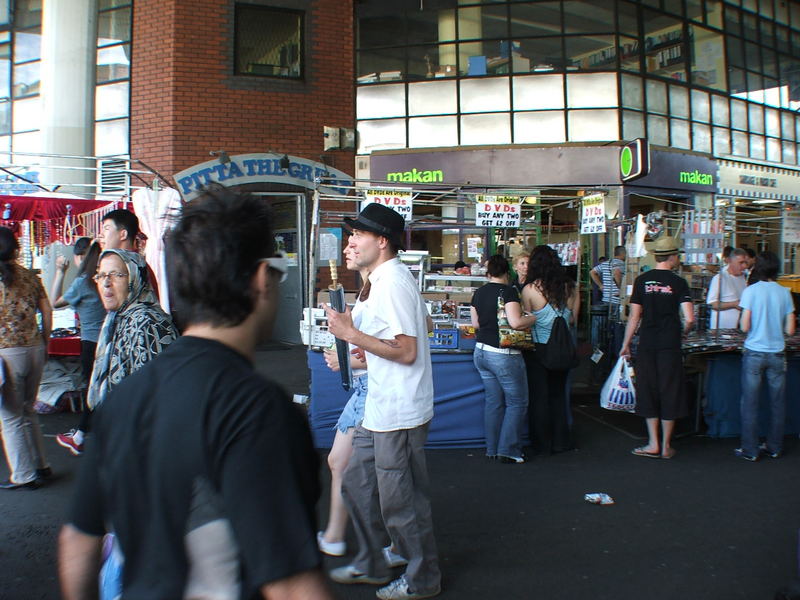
(27,79)
(740,143)
(758,147)
(114,27)
(797,129)
(628,21)
(714,13)
(658,130)
(588,17)
(5,71)
(381,135)
(593,125)
(534,92)
(545,54)
(481,58)
(701,108)
(27,114)
(629,54)
(756,118)
(679,133)
(767,29)
(111,101)
(737,82)
(673,6)
(794,15)
(596,52)
(733,20)
(268,42)
(27,142)
(781,12)
(782,38)
(738,114)
(773,149)
(722,141)
(27,45)
(432,132)
(664,46)
(720,112)
(749,27)
(480,130)
(545,127)
(27,13)
(484,95)
(735,51)
(765,9)
(591,90)
(5,143)
(772,93)
(632,125)
(678,101)
(656,97)
(432,98)
(789,153)
(5,117)
(701,138)
(694,10)
(113,63)
(632,92)
(708,66)
(384,30)
(482,22)
(422,27)
(773,122)
(111,138)
(787,126)
(429,62)
(105,4)
(752,55)
(377,101)
(371,63)
(540,19)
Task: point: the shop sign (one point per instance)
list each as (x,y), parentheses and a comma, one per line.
(593,214)
(398,199)
(791,226)
(680,171)
(262,168)
(745,180)
(634,160)
(416,176)
(497,211)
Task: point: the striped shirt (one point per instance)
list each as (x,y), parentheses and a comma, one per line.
(606,272)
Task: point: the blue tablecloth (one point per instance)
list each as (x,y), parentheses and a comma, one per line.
(724,389)
(458,402)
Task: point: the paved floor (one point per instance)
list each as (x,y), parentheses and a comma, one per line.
(703,525)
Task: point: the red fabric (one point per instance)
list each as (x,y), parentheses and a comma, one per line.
(65,346)
(37,208)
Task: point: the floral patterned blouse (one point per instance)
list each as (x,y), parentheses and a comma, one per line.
(20,302)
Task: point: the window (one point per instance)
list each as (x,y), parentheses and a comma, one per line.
(269,42)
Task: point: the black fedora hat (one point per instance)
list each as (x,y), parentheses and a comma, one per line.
(381,220)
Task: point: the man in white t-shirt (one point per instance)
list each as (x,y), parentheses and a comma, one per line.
(726,289)
(386,481)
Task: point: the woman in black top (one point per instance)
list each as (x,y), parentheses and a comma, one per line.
(501,369)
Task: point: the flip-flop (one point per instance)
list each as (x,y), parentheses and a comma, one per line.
(640,451)
(669,454)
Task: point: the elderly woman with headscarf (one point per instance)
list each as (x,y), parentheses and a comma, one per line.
(22,354)
(136,329)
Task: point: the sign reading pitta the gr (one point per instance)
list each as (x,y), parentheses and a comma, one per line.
(399,200)
(497,211)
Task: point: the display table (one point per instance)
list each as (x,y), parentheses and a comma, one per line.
(724,389)
(458,401)
(64,346)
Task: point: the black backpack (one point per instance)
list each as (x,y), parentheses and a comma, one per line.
(559,353)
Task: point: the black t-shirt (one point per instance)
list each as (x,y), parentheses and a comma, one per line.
(485,302)
(199,423)
(660,293)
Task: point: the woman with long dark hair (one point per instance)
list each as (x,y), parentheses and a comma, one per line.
(502,370)
(81,295)
(548,293)
(23,350)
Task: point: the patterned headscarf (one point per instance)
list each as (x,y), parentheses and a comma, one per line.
(133,334)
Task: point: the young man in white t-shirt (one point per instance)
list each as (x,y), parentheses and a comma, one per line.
(386,480)
(726,289)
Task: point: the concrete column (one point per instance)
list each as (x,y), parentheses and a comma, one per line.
(69,43)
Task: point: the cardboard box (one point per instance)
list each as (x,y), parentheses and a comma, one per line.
(465,297)
(434,296)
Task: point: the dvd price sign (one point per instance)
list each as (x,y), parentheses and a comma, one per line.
(497,211)
(397,199)
(593,214)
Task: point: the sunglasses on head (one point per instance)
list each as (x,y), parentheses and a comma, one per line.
(278,263)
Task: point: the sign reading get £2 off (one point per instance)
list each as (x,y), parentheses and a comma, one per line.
(497,211)
(398,200)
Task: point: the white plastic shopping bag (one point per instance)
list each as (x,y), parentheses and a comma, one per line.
(618,392)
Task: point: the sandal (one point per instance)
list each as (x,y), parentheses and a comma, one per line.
(641,451)
(669,453)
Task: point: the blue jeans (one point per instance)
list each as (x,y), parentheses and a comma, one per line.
(506,407)
(754,365)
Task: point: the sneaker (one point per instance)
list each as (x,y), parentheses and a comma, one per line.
(392,559)
(398,590)
(330,548)
(349,574)
(66,440)
(739,453)
(764,450)
(511,460)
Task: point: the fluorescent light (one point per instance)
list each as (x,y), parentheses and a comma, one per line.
(766,201)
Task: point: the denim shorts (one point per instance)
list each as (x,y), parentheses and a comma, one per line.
(353,412)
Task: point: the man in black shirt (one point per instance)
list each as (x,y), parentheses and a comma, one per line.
(659,296)
(203,469)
